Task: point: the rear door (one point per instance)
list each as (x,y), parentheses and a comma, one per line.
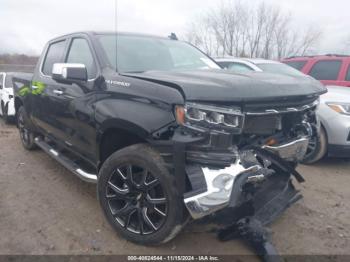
(43,91)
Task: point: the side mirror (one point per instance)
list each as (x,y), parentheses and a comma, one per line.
(69,72)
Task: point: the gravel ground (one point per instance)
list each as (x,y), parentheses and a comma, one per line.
(44,209)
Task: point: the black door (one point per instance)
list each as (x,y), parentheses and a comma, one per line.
(75,101)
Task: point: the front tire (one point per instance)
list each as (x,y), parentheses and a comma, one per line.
(27,136)
(139,196)
(317,149)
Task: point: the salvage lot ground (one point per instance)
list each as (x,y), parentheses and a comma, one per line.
(44,209)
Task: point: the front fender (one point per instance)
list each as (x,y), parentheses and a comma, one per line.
(139,116)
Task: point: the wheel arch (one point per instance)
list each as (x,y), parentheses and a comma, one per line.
(116,134)
(324,127)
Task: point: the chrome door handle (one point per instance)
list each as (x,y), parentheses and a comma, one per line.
(58,92)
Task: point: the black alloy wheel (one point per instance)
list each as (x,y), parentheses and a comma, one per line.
(26,135)
(23,132)
(136,199)
(140,197)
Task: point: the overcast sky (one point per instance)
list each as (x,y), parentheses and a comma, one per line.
(25,25)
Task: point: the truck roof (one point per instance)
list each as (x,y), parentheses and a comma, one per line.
(92,33)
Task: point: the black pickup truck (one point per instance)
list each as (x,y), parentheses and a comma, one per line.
(165,133)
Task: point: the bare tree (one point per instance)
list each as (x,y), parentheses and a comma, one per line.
(239,29)
(199,35)
(310,37)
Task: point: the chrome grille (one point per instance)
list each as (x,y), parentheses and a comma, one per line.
(278,109)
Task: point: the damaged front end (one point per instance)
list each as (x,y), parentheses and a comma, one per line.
(239,161)
(255,175)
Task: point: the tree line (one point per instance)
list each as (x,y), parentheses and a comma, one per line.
(18,59)
(240,29)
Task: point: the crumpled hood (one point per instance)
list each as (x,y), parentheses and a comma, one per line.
(225,86)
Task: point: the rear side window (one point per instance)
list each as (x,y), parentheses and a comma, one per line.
(54,55)
(296,64)
(326,70)
(80,53)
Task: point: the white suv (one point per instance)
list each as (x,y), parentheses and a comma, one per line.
(7,104)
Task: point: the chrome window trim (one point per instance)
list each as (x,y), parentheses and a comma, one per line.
(66,54)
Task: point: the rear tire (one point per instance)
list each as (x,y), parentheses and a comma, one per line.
(319,149)
(139,196)
(27,136)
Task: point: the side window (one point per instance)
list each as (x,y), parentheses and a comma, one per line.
(1,80)
(296,64)
(80,52)
(326,70)
(347,77)
(54,55)
(239,67)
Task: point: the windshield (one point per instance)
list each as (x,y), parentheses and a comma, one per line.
(140,53)
(279,68)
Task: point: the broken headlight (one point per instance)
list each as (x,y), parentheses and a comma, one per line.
(210,117)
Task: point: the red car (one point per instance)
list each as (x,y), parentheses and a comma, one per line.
(329,69)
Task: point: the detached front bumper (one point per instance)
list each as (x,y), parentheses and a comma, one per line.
(220,184)
(253,171)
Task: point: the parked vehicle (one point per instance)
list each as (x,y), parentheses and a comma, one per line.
(258,65)
(165,133)
(334,114)
(329,69)
(7,101)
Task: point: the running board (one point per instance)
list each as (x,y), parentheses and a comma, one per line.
(66,162)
